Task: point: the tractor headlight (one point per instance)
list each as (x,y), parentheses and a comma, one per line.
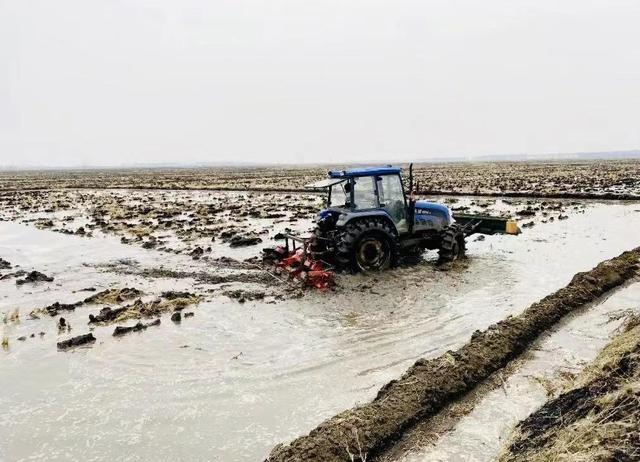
(322,215)
(326,219)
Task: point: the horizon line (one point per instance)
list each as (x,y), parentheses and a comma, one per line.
(585,155)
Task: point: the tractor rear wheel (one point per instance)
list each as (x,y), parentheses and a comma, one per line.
(453,245)
(368,244)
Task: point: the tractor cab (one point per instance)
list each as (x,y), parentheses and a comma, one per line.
(365,191)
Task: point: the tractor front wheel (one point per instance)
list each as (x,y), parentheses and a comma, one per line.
(453,244)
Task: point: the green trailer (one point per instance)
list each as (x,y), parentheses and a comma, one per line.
(485,224)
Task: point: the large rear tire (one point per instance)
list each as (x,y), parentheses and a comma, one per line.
(453,245)
(368,245)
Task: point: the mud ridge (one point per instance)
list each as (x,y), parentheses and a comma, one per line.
(361,433)
(34,276)
(76,341)
(122,330)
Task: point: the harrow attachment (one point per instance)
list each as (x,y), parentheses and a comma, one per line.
(295,260)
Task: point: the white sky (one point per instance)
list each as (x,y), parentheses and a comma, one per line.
(89,82)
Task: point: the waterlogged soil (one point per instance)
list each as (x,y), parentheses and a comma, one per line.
(612,178)
(217,226)
(204,225)
(227,230)
(240,373)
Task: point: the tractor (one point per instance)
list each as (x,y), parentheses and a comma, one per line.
(370,220)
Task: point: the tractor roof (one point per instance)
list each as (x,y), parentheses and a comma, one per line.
(326,183)
(369,171)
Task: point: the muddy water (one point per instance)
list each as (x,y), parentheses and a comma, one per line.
(236,379)
(481,435)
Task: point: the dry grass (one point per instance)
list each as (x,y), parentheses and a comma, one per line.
(597,418)
(12,317)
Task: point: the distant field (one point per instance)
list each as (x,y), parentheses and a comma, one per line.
(612,178)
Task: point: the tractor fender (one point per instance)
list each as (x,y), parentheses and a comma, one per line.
(348,217)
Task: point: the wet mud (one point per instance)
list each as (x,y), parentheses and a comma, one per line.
(33,277)
(106,296)
(193,223)
(76,341)
(227,231)
(123,330)
(167,302)
(429,385)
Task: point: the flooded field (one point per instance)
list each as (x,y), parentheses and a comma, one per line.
(257,363)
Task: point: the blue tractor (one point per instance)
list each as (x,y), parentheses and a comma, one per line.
(370,220)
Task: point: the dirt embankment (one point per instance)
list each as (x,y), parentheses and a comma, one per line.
(360,433)
(596,418)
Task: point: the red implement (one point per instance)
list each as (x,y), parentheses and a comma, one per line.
(300,266)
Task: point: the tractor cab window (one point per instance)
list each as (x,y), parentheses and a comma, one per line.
(340,195)
(391,198)
(364,192)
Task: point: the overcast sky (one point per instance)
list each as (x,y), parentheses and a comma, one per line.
(88,82)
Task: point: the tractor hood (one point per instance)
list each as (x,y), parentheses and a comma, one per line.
(437,214)
(433,206)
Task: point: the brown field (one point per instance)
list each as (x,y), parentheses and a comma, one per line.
(547,179)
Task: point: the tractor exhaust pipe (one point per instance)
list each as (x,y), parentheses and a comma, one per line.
(411,179)
(412,201)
